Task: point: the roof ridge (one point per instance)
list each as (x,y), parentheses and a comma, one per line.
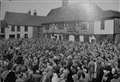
(9,12)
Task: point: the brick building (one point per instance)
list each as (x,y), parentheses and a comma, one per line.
(22,25)
(81,22)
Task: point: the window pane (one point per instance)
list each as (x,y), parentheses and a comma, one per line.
(13,28)
(26,28)
(102,25)
(83,26)
(18,35)
(46,27)
(18,28)
(11,36)
(26,36)
(61,26)
(2,30)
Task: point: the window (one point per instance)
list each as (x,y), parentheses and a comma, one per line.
(26,36)
(13,28)
(2,36)
(26,29)
(12,36)
(83,26)
(18,28)
(102,25)
(46,27)
(2,30)
(18,35)
(61,26)
(71,29)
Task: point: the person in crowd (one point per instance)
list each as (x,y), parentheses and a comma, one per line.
(11,76)
(58,61)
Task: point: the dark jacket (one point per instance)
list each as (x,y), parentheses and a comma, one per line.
(11,77)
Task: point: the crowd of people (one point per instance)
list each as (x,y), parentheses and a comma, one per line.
(45,60)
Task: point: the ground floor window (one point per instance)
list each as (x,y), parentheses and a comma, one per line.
(65,37)
(11,36)
(71,37)
(25,35)
(2,36)
(18,35)
(76,37)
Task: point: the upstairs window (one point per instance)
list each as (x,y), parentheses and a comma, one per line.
(60,26)
(2,30)
(12,36)
(26,29)
(46,27)
(83,26)
(13,28)
(18,28)
(102,25)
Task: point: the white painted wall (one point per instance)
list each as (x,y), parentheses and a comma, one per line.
(109,27)
(22,32)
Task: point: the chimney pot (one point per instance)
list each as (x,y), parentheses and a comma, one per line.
(65,2)
(35,13)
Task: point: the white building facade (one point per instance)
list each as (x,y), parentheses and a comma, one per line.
(13,31)
(22,25)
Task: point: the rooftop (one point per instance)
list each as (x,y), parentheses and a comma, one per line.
(14,18)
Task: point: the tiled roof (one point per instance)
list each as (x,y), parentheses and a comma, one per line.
(23,19)
(79,13)
(61,14)
(74,13)
(111,14)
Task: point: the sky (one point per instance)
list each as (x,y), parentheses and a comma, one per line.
(44,6)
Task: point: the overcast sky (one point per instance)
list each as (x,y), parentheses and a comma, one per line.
(44,6)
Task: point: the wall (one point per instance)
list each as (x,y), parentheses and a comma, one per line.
(71,27)
(109,27)
(117,26)
(22,32)
(37,32)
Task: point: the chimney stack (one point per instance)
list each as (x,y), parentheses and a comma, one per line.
(35,13)
(65,2)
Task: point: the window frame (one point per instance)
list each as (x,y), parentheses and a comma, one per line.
(26,35)
(12,36)
(102,25)
(18,30)
(12,28)
(2,30)
(17,35)
(25,28)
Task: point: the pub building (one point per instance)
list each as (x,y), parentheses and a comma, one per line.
(72,22)
(80,22)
